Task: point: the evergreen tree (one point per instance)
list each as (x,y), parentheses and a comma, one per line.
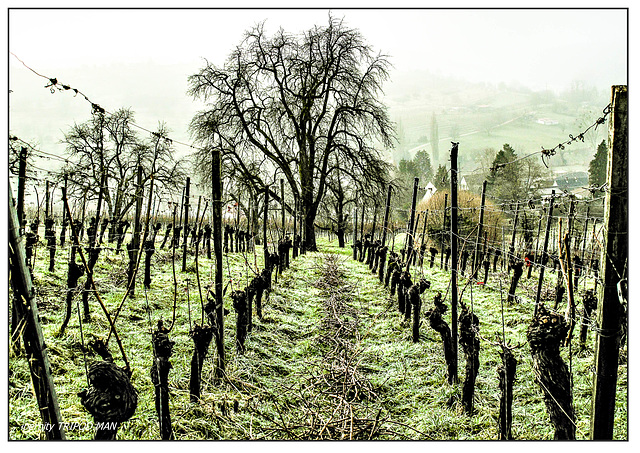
(422,161)
(408,168)
(442,180)
(598,166)
(512,179)
(435,152)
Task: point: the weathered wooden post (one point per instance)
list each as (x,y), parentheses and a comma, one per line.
(65,220)
(185,238)
(361,249)
(543,257)
(584,233)
(411,221)
(284,229)
(34,345)
(22,179)
(415,236)
(295,227)
(355,232)
(535,255)
(135,240)
(476,258)
(216,312)
(423,246)
(444,229)
(94,252)
(46,200)
(264,227)
(385,226)
(512,247)
(195,231)
(454,258)
(613,266)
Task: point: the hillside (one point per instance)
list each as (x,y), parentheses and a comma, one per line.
(482,116)
(331,359)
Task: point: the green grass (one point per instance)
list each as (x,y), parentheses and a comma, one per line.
(275,383)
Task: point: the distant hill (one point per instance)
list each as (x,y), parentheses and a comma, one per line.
(481,116)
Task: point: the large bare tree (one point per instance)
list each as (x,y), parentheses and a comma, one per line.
(297,105)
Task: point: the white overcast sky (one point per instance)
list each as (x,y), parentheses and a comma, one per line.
(140,58)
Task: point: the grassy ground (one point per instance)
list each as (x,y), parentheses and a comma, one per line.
(284,386)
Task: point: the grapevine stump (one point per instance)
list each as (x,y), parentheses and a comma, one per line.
(439,325)
(545,334)
(162,351)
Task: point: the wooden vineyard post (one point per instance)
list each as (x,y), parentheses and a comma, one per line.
(383,242)
(65,220)
(444,228)
(571,218)
(613,271)
(424,230)
(216,203)
(94,250)
(535,254)
(512,247)
(237,228)
(264,227)
(372,246)
(82,217)
(284,230)
(476,261)
(135,240)
(361,248)
(46,200)
(375,219)
(355,232)
(195,231)
(22,178)
(34,345)
(414,234)
(185,237)
(411,222)
(454,258)
(584,233)
(295,227)
(543,257)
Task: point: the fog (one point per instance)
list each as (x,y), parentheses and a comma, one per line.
(141,58)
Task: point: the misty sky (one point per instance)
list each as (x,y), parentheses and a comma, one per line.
(141,58)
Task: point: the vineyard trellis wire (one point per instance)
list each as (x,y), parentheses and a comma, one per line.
(505,205)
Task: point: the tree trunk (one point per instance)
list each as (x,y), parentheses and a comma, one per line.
(309,241)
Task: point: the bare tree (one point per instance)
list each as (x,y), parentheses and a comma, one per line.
(305,104)
(346,187)
(107,147)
